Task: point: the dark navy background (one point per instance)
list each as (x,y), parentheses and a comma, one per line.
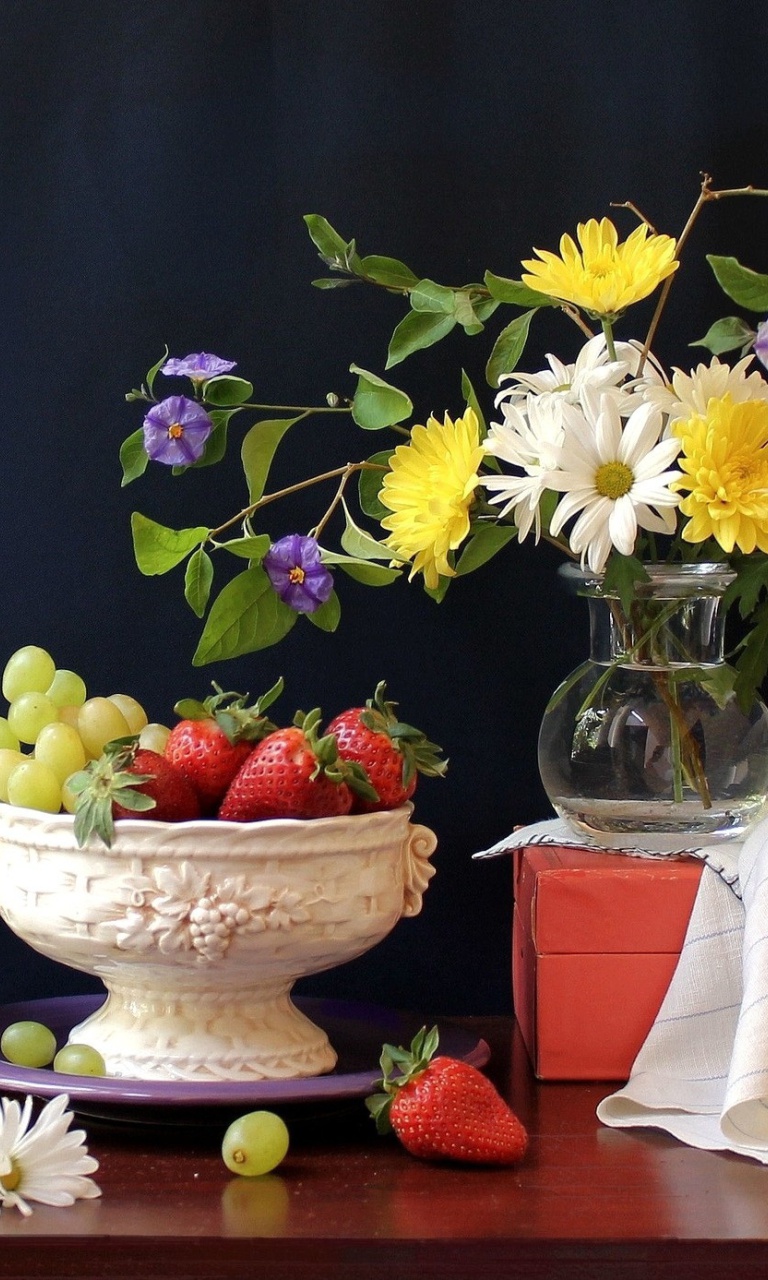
(156,164)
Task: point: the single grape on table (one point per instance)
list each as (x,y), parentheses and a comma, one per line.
(255,1143)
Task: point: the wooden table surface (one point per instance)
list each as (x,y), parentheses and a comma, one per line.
(587,1202)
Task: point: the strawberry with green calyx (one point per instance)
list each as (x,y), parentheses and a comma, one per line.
(444,1109)
(294,773)
(127,781)
(392,753)
(214,738)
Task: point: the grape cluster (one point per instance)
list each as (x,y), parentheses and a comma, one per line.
(52,728)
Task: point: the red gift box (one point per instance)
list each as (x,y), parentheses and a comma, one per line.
(595,941)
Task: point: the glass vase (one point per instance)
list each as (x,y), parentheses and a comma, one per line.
(647,736)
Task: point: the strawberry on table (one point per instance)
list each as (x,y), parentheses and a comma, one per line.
(129,781)
(444,1109)
(294,773)
(214,737)
(392,753)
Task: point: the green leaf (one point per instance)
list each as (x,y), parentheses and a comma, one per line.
(752,665)
(254,548)
(748,288)
(426,295)
(323,236)
(333,282)
(327,617)
(365,571)
(470,396)
(465,312)
(216,444)
(153,372)
(227,390)
(370,574)
(621,574)
(369,485)
(133,457)
(388,272)
(515,292)
(359,544)
(416,331)
(376,404)
(485,543)
(729,334)
(198,581)
(508,348)
(157,548)
(246,616)
(258,450)
(748,587)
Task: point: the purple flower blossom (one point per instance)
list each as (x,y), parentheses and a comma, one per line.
(199,367)
(297,573)
(761,343)
(175,431)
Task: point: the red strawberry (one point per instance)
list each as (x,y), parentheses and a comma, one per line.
(215,737)
(293,773)
(444,1109)
(393,754)
(125,782)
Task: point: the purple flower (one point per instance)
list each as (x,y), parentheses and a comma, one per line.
(175,431)
(297,573)
(199,367)
(761,343)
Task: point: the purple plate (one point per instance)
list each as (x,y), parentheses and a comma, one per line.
(357,1032)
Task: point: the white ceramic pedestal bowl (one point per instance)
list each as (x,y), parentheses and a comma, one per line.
(200,929)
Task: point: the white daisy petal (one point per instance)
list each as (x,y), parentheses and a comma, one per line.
(47,1161)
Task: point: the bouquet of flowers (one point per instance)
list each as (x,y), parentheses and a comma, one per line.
(608,456)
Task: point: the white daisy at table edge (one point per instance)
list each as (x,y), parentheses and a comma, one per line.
(615,478)
(44,1161)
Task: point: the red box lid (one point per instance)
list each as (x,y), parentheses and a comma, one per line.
(579,900)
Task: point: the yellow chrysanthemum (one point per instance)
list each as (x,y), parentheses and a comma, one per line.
(602,276)
(429,491)
(725,461)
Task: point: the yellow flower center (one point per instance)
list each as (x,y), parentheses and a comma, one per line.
(10,1181)
(175,431)
(613,479)
(297,574)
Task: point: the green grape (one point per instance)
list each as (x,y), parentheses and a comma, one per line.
(98,722)
(7,736)
(153,737)
(34,785)
(255,1143)
(9,759)
(29,713)
(79,1060)
(67,689)
(135,715)
(28,670)
(60,747)
(28,1044)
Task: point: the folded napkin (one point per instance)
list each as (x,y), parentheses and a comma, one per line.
(702,1073)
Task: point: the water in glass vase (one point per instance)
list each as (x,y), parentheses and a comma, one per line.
(647,736)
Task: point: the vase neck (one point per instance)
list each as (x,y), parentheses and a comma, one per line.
(658,631)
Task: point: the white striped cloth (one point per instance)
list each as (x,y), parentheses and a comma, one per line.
(702,1073)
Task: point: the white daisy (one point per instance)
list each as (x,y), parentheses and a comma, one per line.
(46,1161)
(690,393)
(615,478)
(592,368)
(530,440)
